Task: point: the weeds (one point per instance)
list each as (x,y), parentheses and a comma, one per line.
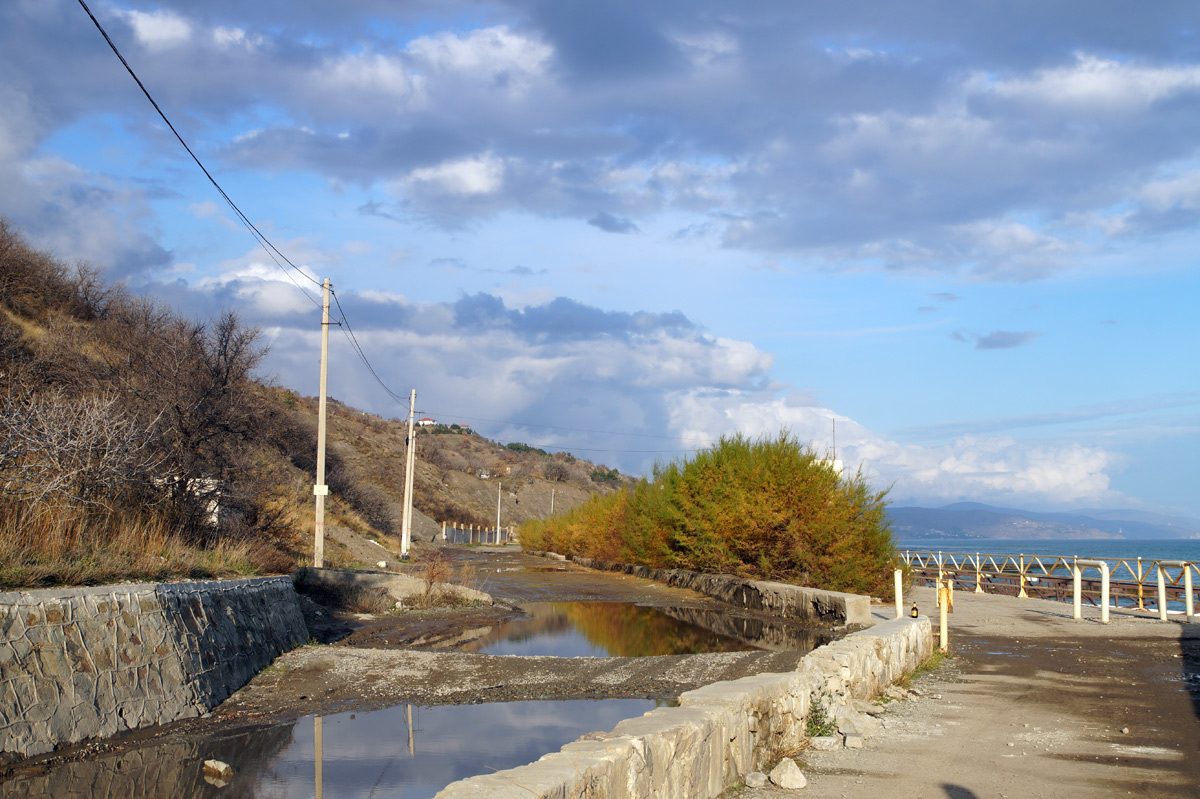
(818,722)
(931,664)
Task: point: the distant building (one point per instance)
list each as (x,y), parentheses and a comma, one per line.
(427,422)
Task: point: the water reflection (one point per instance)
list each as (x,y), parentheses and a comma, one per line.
(401,751)
(621,629)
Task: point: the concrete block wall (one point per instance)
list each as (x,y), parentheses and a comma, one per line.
(719,733)
(91,662)
(779,599)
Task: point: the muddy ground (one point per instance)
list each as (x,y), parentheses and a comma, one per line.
(1033,704)
(414,656)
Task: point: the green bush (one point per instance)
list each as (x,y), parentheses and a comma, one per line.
(768,509)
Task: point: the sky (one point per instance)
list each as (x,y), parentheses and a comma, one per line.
(951,243)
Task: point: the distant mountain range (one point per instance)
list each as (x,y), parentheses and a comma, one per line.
(975,520)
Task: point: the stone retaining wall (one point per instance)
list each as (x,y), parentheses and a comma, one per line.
(91,662)
(719,733)
(779,599)
(400,587)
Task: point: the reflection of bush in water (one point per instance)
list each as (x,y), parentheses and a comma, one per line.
(172,768)
(629,631)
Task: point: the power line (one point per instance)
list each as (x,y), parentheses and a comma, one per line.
(262,240)
(705,441)
(359,350)
(276,254)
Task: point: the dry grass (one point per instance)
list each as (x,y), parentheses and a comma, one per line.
(54,547)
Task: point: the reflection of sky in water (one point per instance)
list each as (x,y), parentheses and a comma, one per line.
(363,754)
(564,644)
(368,755)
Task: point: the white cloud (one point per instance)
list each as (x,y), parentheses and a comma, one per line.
(495,56)
(230,38)
(483,174)
(158,30)
(347,81)
(1181,192)
(1095,84)
(979,468)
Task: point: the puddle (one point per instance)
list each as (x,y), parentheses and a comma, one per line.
(622,629)
(406,750)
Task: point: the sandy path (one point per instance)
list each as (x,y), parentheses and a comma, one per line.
(1034,704)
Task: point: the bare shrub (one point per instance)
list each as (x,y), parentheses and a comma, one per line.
(83,451)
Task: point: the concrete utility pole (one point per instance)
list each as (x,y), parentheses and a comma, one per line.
(409,464)
(499,486)
(320,490)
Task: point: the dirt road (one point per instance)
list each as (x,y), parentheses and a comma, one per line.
(1033,705)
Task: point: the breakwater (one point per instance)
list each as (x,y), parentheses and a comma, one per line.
(92,662)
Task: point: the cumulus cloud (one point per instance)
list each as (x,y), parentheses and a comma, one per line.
(981,468)
(921,145)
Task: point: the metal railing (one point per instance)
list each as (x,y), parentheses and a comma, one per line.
(471,534)
(1134,583)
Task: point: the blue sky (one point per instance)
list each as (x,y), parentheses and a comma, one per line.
(964,232)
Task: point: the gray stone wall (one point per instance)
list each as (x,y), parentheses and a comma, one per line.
(780,599)
(91,662)
(719,733)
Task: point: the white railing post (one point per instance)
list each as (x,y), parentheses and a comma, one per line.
(1077,574)
(1162,594)
(1021,577)
(1104,592)
(978,574)
(899,594)
(1187,587)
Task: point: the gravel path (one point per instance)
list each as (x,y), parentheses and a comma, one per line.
(1033,705)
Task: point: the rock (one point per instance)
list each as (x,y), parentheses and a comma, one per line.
(217,773)
(382,564)
(756,779)
(1124,730)
(787,775)
(854,741)
(824,743)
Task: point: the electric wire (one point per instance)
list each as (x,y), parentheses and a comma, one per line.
(262,240)
(276,254)
(349,331)
(704,441)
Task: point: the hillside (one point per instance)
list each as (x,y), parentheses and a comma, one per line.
(137,443)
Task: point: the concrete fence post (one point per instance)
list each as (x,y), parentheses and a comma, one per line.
(1188,600)
(1104,592)
(1187,588)
(1162,594)
(899,594)
(1021,577)
(978,573)
(944,616)
(1076,578)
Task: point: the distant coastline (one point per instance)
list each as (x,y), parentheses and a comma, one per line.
(974,522)
(1106,548)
